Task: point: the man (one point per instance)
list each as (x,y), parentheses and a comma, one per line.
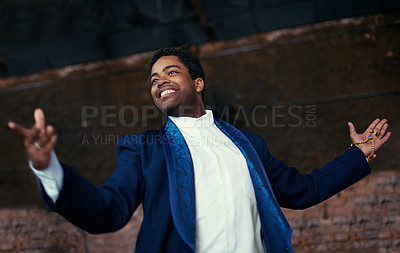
(205,186)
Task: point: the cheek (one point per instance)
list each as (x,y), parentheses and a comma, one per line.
(153,92)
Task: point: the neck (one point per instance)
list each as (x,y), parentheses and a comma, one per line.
(188,111)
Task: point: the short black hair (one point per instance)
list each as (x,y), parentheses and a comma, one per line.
(187,59)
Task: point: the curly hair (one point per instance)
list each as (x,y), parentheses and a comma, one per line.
(187,59)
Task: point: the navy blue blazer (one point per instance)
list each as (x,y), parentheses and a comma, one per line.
(141,178)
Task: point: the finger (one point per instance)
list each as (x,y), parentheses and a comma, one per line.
(31,146)
(51,143)
(371,127)
(380,125)
(352,129)
(385,138)
(18,129)
(351,125)
(45,136)
(49,130)
(382,131)
(32,135)
(39,119)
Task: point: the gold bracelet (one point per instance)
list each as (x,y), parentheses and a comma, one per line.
(372,155)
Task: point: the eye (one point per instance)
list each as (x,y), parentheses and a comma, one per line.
(172,72)
(154,81)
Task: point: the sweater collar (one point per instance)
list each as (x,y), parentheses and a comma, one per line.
(205,120)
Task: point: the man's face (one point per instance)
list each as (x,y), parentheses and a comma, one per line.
(172,88)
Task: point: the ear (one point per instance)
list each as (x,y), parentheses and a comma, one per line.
(199,84)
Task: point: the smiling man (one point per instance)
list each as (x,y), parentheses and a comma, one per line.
(205,186)
(175,90)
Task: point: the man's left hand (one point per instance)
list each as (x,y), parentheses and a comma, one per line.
(377,130)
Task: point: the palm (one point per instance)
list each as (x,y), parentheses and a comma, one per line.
(376,130)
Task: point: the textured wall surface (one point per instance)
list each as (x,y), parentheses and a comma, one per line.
(38,230)
(363,218)
(297,87)
(41,34)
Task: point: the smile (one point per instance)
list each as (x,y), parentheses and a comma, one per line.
(165,92)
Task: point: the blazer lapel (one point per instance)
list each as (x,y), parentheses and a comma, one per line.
(276,230)
(181,182)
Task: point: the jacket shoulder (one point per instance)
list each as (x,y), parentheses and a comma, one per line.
(145,137)
(255,139)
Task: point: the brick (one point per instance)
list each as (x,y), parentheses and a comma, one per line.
(369,244)
(342,237)
(384,234)
(343,228)
(320,247)
(7,246)
(393,206)
(333,246)
(341,219)
(371,235)
(373,225)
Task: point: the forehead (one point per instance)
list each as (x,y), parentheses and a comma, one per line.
(165,61)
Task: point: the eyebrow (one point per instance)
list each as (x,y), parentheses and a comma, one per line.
(164,69)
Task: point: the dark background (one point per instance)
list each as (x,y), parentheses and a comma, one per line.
(43,34)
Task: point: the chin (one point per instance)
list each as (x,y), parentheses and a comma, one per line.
(167,108)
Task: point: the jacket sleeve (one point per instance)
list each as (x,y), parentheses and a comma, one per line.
(105,208)
(298,191)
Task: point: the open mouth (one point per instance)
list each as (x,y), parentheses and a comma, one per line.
(166,92)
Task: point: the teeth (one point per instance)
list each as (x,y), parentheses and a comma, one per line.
(166,92)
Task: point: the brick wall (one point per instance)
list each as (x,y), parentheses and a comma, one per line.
(363,218)
(38,230)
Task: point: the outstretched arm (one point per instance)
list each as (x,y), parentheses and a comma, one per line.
(95,209)
(297,191)
(39,142)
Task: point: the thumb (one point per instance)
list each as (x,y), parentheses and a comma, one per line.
(352,129)
(39,118)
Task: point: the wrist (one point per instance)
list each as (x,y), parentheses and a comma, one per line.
(365,148)
(369,152)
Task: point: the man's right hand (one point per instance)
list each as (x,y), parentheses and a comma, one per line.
(39,140)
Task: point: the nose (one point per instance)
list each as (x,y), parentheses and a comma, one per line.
(163,81)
